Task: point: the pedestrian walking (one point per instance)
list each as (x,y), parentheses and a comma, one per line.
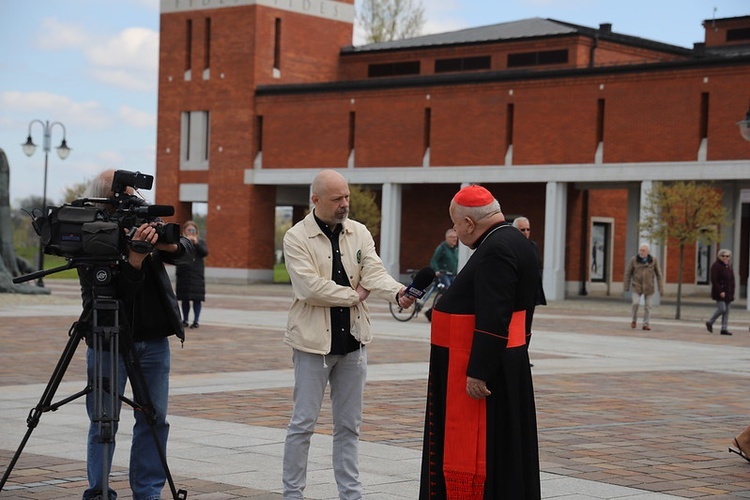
(722,290)
(640,274)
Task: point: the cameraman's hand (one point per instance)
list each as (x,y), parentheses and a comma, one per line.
(145,232)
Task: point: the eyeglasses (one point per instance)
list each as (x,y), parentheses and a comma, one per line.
(525,230)
(725,255)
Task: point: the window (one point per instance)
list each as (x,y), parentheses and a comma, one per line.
(259,133)
(704,116)
(509,118)
(352,138)
(393,69)
(538,58)
(352,130)
(188,48)
(277,45)
(207,45)
(738,34)
(462,64)
(599,121)
(194,140)
(427,127)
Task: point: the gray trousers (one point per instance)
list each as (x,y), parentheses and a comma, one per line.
(312,372)
(722,309)
(636,297)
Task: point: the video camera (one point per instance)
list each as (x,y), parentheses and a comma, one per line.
(99,227)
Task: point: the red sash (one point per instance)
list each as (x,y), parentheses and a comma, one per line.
(465,454)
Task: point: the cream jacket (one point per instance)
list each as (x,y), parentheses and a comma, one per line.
(308,257)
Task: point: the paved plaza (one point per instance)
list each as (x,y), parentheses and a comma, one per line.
(623,413)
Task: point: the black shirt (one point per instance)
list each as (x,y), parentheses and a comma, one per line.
(342,341)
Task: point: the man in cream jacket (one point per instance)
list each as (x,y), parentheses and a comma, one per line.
(333,267)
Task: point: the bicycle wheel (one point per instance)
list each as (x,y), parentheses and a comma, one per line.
(401,313)
(435,299)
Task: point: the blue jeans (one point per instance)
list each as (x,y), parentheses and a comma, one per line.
(447,279)
(147,474)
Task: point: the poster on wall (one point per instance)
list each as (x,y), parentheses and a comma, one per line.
(599,251)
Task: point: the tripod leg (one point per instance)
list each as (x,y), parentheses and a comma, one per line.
(156,362)
(103,404)
(45,403)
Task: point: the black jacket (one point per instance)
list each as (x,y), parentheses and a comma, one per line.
(148,307)
(191,282)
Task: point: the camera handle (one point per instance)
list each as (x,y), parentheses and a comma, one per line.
(106,412)
(43,272)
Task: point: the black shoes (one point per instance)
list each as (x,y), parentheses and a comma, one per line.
(710,329)
(194,325)
(184,323)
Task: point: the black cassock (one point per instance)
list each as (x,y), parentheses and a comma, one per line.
(484,449)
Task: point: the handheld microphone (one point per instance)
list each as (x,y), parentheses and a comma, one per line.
(421,281)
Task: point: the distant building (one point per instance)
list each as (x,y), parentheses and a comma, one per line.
(565,124)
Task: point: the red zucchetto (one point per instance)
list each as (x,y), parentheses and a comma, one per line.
(473,196)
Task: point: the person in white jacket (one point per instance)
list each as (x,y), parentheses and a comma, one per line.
(333,267)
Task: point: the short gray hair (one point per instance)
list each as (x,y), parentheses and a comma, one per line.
(518,220)
(476,213)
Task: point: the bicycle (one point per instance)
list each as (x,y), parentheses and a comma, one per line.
(434,291)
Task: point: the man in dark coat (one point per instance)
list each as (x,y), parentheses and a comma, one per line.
(480,437)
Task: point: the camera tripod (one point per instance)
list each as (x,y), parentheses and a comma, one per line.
(103,387)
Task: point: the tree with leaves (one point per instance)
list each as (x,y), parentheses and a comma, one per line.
(364,209)
(75,191)
(684,213)
(385,20)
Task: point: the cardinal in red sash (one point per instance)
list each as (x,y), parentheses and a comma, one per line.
(480,440)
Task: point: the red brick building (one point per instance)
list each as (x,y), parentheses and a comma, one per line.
(565,124)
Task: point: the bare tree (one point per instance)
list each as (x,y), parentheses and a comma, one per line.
(385,20)
(685,213)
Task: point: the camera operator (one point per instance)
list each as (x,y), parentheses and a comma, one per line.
(148,315)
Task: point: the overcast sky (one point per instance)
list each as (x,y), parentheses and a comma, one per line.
(92,66)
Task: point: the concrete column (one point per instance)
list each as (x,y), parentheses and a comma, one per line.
(744,197)
(555,214)
(657,249)
(731,236)
(464,252)
(633,234)
(390,228)
(632,231)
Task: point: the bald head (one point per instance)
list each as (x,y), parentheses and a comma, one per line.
(330,195)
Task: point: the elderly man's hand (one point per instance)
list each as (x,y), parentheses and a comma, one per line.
(476,388)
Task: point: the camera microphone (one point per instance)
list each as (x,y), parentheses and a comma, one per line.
(155,210)
(421,281)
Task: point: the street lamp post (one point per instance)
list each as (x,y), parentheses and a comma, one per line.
(62,151)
